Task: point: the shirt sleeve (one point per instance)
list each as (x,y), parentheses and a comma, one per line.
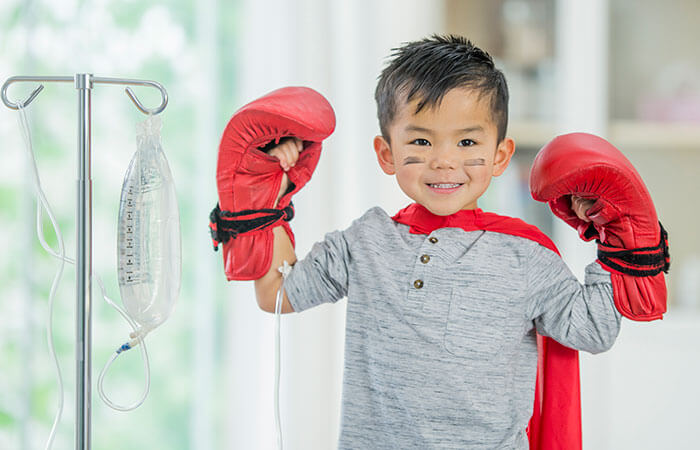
(579,316)
(322,276)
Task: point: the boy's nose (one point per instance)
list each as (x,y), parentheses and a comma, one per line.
(443,159)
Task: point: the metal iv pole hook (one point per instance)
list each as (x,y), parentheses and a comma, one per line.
(100,80)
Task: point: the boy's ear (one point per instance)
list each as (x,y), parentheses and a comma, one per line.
(384,155)
(504,152)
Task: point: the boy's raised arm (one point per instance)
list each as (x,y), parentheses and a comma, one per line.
(579,316)
(266,288)
(258,154)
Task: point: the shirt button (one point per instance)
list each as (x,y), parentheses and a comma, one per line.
(433,240)
(424,259)
(418,284)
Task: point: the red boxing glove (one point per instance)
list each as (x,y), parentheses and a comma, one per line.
(248,180)
(632,244)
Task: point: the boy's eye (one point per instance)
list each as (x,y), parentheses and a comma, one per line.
(466,143)
(420,141)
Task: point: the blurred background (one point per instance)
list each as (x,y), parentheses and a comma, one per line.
(626,70)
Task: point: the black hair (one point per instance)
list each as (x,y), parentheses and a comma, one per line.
(431,67)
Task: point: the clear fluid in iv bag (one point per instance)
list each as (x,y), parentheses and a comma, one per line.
(148,242)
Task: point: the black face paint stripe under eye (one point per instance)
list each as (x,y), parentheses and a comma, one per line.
(475,162)
(412,160)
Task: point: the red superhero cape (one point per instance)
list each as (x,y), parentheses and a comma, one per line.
(556,419)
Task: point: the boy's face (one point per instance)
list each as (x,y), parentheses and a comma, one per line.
(444,157)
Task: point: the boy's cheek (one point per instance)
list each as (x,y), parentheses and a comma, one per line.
(409,171)
(480,172)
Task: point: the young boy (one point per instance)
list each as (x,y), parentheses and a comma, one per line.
(442,313)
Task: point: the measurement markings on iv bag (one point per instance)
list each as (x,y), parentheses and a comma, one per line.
(129,273)
(136,250)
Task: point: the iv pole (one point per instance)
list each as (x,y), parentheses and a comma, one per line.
(84,82)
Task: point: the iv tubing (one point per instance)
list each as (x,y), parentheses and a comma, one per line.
(61,255)
(285,269)
(278,423)
(138,335)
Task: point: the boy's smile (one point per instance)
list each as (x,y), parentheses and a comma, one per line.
(444,156)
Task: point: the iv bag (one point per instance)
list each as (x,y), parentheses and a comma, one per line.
(148,242)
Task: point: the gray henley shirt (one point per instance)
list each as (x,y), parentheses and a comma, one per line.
(440,344)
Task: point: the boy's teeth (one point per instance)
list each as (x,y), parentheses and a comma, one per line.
(444,186)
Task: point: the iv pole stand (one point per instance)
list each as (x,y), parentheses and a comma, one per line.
(84,82)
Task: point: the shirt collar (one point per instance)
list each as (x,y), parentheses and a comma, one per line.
(422,221)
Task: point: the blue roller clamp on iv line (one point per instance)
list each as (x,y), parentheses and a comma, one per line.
(149,242)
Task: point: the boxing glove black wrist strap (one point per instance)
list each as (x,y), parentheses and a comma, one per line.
(639,262)
(225,225)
